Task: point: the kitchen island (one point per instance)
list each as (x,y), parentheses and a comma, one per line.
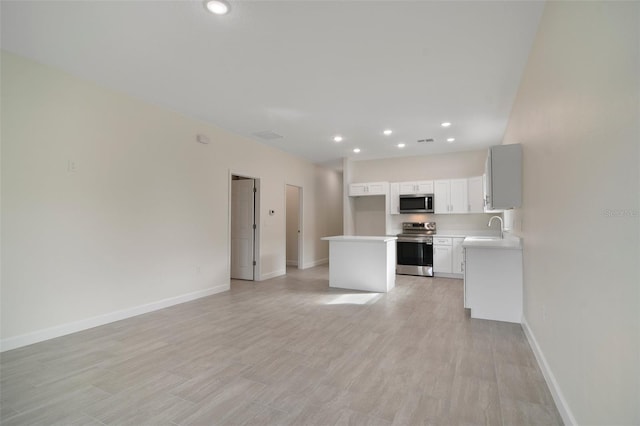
(362,263)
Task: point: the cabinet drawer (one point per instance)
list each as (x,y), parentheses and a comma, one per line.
(442,241)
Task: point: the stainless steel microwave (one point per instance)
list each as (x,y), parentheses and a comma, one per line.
(416,203)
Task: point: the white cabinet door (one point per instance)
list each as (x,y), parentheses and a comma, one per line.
(424,187)
(377,188)
(417,187)
(356,189)
(457,256)
(441,196)
(407,188)
(394,195)
(442,259)
(458,196)
(486,185)
(475,193)
(450,196)
(372,188)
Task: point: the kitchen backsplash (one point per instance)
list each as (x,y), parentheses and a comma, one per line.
(459,222)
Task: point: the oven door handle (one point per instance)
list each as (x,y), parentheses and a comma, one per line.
(415,240)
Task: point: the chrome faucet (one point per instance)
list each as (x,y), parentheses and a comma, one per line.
(501,225)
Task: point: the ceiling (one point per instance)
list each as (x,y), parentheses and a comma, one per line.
(304,70)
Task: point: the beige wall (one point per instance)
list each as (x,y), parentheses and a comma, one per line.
(145,216)
(577,115)
(425,167)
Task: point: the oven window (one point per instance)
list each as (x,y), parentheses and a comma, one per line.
(417,254)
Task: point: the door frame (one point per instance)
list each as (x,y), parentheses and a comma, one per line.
(300,223)
(257,270)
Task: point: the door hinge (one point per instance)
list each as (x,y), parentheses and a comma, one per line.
(254,263)
(255,189)
(254,226)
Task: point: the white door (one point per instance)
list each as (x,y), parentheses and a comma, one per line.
(242,229)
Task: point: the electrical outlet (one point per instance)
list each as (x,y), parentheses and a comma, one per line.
(72,166)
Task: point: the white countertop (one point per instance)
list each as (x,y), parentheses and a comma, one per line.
(361,239)
(510,242)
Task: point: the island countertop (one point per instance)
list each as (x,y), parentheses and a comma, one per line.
(357,238)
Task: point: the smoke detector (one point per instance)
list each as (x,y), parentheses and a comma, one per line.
(268,135)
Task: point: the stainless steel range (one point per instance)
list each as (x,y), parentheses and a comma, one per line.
(415,249)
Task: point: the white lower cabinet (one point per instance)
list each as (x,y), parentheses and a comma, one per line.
(457,256)
(442,255)
(493,283)
(442,259)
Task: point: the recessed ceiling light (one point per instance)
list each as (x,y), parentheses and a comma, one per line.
(387,132)
(445,124)
(401,145)
(219,7)
(451,140)
(337,138)
(356,150)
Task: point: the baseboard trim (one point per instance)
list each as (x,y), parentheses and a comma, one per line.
(292,263)
(85,324)
(448,275)
(314,263)
(558,396)
(273,274)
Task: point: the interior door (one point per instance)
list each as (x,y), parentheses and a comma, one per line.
(242,229)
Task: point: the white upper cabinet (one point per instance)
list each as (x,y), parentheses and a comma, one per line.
(394,198)
(504,177)
(417,187)
(441,196)
(459,200)
(370,188)
(450,196)
(475,192)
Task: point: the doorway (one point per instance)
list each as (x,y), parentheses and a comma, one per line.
(243,227)
(293,221)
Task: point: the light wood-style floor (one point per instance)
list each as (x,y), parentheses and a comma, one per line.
(286,351)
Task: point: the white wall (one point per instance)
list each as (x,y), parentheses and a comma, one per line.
(577,115)
(293,218)
(424,167)
(145,216)
(427,167)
